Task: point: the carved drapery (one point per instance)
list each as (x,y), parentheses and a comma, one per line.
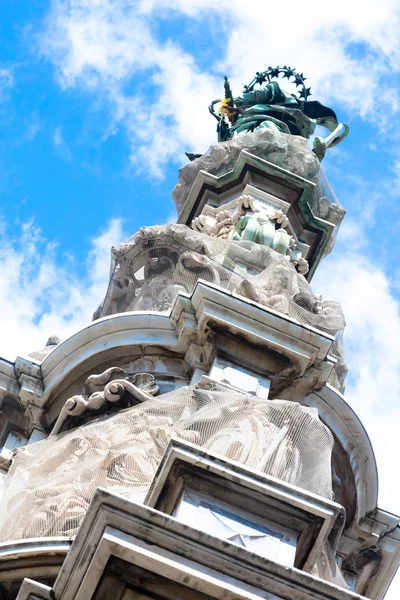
(51,483)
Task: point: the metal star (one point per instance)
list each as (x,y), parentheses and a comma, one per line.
(274,72)
(260,78)
(305,93)
(288,74)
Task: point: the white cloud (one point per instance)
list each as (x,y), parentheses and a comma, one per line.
(372,334)
(352,276)
(61,145)
(39,297)
(322,40)
(372,350)
(101,44)
(349,56)
(33,127)
(6,81)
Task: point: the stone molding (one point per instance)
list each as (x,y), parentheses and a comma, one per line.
(8,380)
(185,465)
(290,188)
(138,534)
(350,432)
(30,381)
(41,557)
(371,541)
(245,161)
(186,331)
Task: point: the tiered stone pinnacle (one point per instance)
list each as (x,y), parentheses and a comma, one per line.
(205,398)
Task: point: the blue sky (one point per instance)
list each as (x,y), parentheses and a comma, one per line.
(99,99)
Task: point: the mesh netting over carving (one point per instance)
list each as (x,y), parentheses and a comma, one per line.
(51,483)
(151,268)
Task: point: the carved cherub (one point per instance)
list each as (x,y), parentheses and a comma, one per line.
(204,224)
(253,222)
(220,226)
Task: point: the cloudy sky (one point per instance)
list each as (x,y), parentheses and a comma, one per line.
(99,99)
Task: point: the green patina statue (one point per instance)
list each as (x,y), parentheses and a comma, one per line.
(270,107)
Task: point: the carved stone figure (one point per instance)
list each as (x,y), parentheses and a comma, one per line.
(221,226)
(255,223)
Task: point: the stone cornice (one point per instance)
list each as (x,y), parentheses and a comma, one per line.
(348,429)
(39,557)
(8,380)
(209,307)
(260,325)
(245,161)
(114,526)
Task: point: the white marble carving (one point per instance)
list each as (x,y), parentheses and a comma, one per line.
(50,484)
(156,264)
(254,221)
(290,152)
(111,386)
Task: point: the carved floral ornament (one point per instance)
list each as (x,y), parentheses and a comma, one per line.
(252,221)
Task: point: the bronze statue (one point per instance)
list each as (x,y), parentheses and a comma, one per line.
(270,107)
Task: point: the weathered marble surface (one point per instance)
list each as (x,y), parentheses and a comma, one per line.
(158,263)
(115,386)
(152,267)
(290,152)
(50,484)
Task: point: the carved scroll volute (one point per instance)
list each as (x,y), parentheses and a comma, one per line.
(115,385)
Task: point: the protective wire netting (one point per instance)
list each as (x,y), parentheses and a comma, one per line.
(155,265)
(50,484)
